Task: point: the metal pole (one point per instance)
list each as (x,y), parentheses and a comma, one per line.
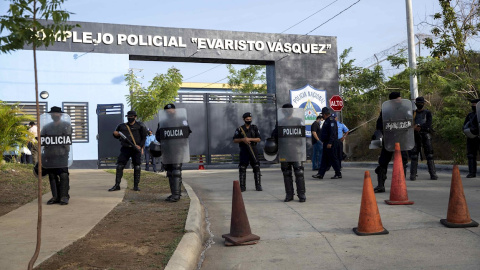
(411,51)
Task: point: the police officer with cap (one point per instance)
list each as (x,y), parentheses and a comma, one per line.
(173,132)
(471,130)
(423,127)
(386,156)
(329,137)
(55,157)
(247,136)
(296,146)
(132,136)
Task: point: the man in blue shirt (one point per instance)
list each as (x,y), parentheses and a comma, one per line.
(342,134)
(148,157)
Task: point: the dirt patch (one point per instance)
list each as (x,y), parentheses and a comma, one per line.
(18,186)
(142,232)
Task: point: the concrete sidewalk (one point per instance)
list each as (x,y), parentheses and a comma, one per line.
(62,225)
(318,234)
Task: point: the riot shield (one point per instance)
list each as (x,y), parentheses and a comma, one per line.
(397,117)
(56,140)
(291,135)
(173,132)
(478,111)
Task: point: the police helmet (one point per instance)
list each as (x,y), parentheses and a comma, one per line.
(155,149)
(35,170)
(270,149)
(376,142)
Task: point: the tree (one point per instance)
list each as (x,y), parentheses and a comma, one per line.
(23,28)
(243,80)
(162,90)
(12,132)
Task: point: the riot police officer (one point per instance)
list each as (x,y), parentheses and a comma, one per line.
(292,149)
(247,136)
(56,140)
(471,130)
(422,119)
(385,155)
(173,132)
(329,137)
(132,136)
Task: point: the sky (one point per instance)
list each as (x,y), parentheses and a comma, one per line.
(368,26)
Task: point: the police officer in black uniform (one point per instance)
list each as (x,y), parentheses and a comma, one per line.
(473,141)
(329,138)
(174,171)
(386,156)
(132,136)
(247,136)
(59,176)
(422,119)
(298,170)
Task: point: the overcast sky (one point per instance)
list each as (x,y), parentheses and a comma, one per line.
(369,26)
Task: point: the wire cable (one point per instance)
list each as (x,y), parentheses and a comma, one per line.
(308,17)
(333,17)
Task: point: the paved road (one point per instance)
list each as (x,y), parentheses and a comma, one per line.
(318,234)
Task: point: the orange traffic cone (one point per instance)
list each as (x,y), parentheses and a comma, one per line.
(457,215)
(240,233)
(398,190)
(200,167)
(369,221)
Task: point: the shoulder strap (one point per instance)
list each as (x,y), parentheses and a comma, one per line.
(131,135)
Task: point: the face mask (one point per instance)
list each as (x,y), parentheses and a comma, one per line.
(131,119)
(419,106)
(248,122)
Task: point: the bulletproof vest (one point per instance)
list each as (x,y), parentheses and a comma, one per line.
(250,132)
(420,117)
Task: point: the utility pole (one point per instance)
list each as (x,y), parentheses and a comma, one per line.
(411,51)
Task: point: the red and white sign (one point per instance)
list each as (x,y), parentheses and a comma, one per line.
(336,103)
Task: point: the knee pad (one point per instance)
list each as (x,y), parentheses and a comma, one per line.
(242,168)
(471,156)
(177,173)
(429,156)
(256,168)
(136,168)
(414,157)
(380,171)
(120,166)
(64,176)
(298,169)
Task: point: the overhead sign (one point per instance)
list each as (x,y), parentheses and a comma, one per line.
(336,103)
(312,101)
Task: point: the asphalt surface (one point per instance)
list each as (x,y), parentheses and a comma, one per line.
(318,234)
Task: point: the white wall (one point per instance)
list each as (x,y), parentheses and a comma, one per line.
(92,77)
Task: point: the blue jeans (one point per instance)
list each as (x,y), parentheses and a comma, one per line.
(317,155)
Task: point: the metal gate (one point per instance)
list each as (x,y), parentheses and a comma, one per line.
(213,119)
(109,116)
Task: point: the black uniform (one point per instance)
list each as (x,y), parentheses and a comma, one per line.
(248,157)
(384,159)
(329,135)
(423,138)
(298,170)
(473,144)
(127,151)
(57,154)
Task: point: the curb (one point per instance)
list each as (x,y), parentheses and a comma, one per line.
(189,249)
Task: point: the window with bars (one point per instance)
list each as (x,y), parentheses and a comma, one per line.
(30,108)
(78,112)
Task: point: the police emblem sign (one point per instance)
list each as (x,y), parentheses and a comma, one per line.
(312,101)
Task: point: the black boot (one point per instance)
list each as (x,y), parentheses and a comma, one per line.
(54,187)
(118,177)
(413,170)
(136,177)
(258,180)
(381,177)
(472,168)
(432,170)
(242,175)
(300,181)
(64,188)
(288,181)
(176,187)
